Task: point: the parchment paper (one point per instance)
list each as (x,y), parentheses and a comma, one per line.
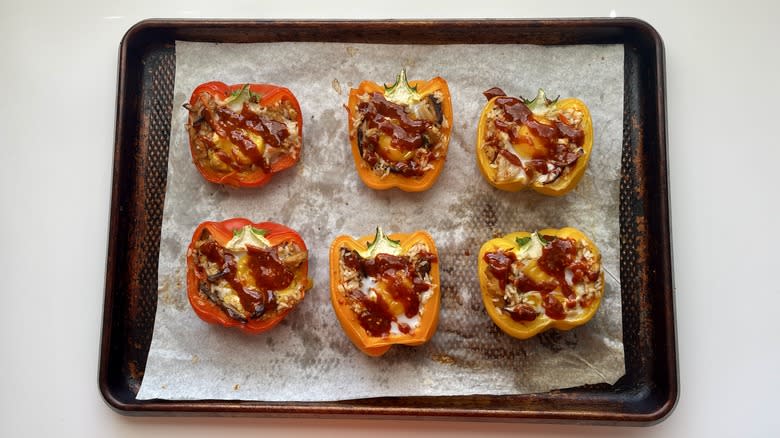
(308,357)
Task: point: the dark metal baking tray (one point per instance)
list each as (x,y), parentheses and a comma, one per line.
(645,395)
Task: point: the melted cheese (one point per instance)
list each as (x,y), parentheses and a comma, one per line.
(234,151)
(391,152)
(535,273)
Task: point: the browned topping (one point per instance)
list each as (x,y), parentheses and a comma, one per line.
(224,277)
(208,116)
(560,258)
(405,278)
(416,134)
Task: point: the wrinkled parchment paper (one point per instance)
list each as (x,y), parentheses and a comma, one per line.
(308,357)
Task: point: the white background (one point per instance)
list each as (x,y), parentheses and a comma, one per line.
(58,75)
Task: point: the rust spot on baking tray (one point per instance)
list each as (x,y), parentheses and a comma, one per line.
(443,358)
(637,159)
(640,241)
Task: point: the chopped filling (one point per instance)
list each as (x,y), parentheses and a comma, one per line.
(405,138)
(250,282)
(238,135)
(522,145)
(548,276)
(387,292)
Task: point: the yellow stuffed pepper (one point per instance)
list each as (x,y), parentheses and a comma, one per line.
(542,144)
(532,282)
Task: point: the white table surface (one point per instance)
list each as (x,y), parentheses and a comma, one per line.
(58,81)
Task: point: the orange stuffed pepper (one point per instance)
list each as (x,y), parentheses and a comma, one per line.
(400,133)
(385,291)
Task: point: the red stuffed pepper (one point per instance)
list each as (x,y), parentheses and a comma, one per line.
(246,275)
(240,135)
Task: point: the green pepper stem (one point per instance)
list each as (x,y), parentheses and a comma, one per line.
(381,244)
(540,104)
(238,97)
(401,91)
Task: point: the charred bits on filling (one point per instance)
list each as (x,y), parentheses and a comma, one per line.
(414,136)
(268,272)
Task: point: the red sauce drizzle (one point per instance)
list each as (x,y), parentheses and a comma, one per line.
(383,263)
(512,158)
(216,254)
(264,265)
(552,307)
(376,317)
(500,265)
(516,112)
(267,269)
(223,157)
(580,271)
(272,131)
(493,92)
(525,284)
(405,133)
(229,124)
(403,280)
(247,146)
(523,312)
(557,255)
(351,259)
(391,119)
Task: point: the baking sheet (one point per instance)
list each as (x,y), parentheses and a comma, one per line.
(308,357)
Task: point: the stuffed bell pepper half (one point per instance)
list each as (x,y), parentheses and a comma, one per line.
(240,135)
(532,282)
(400,133)
(246,275)
(385,291)
(541,143)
